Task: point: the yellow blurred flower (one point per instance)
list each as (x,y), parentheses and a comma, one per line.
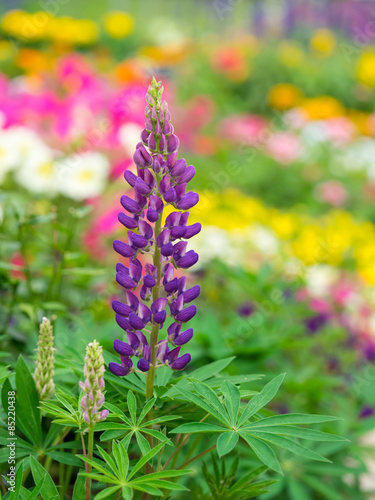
(118,24)
(290,54)
(284,96)
(6,50)
(73,31)
(169,54)
(366,68)
(26,26)
(362,120)
(323,42)
(323,107)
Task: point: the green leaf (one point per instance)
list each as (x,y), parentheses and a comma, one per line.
(203,404)
(28,415)
(14,495)
(195,427)
(297,432)
(263,452)
(132,407)
(290,445)
(212,398)
(48,490)
(226,442)
(203,373)
(122,460)
(36,490)
(257,402)
(147,407)
(293,419)
(321,487)
(142,443)
(108,459)
(145,459)
(79,488)
(64,458)
(232,397)
(106,492)
(297,491)
(160,420)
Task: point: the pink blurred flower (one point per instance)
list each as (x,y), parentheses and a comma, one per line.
(284,147)
(245,129)
(332,192)
(340,130)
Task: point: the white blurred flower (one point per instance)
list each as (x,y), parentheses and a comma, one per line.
(360,156)
(82,176)
(319,279)
(129,135)
(37,172)
(264,240)
(212,242)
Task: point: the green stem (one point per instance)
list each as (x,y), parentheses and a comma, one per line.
(196,457)
(90,451)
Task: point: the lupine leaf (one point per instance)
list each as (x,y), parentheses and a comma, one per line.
(18,480)
(290,445)
(263,452)
(226,442)
(232,397)
(27,401)
(145,410)
(160,420)
(100,478)
(79,488)
(106,492)
(157,435)
(247,478)
(99,467)
(145,459)
(257,402)
(293,419)
(142,443)
(115,434)
(202,373)
(161,475)
(122,460)
(298,432)
(132,407)
(202,404)
(212,398)
(48,490)
(148,489)
(321,487)
(297,491)
(107,458)
(34,494)
(194,427)
(64,458)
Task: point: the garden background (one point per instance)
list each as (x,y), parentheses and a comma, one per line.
(273,103)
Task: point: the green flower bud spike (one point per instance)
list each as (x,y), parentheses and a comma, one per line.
(44,369)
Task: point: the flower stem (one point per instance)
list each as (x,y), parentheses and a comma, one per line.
(90,452)
(196,457)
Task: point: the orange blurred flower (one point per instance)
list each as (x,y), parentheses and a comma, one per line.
(284,96)
(231,62)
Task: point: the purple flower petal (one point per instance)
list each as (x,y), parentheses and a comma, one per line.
(184,337)
(188,201)
(123,348)
(191,293)
(123,322)
(167,250)
(127,221)
(130,177)
(125,281)
(187,175)
(188,260)
(135,322)
(143,365)
(130,205)
(181,362)
(149,281)
(179,168)
(192,230)
(123,248)
(186,314)
(120,308)
(118,370)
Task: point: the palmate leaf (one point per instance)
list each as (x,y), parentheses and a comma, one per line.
(115,470)
(279,430)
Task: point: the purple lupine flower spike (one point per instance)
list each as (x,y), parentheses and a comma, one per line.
(161,179)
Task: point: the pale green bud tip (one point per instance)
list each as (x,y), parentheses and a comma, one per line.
(44,365)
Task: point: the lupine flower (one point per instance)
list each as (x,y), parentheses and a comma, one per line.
(43,375)
(93,386)
(161,180)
